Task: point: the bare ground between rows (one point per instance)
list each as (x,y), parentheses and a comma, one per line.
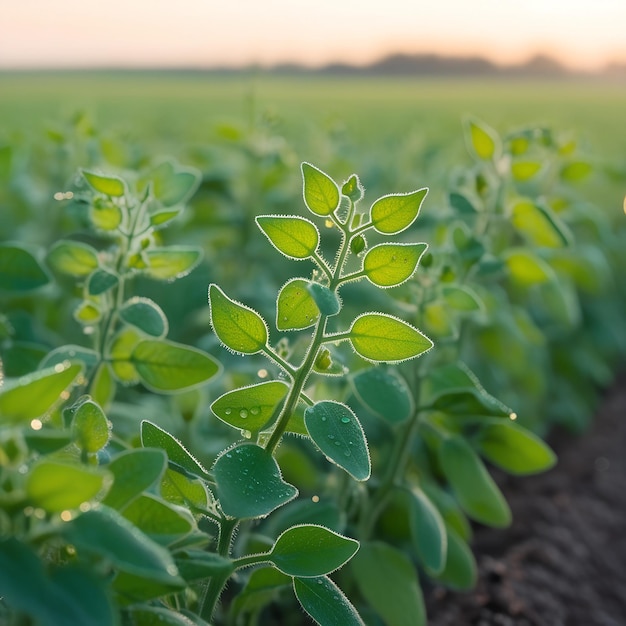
(563,560)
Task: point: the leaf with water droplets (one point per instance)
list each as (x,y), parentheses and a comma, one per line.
(250,407)
(337,432)
(249,483)
(385,393)
(296,308)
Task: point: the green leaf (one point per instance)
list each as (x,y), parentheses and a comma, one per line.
(576,171)
(321,194)
(105,533)
(455,389)
(179,458)
(296,308)
(133,471)
(388,581)
(73,258)
(310,550)
(262,586)
(238,327)
(162,218)
(103,386)
(20,269)
(353,188)
(525,170)
(101,281)
(428,531)
(514,449)
(394,213)
(178,489)
(90,427)
(325,603)
(385,393)
(146,315)
(527,269)
(172,262)
(326,300)
(87,313)
(57,487)
(472,485)
(172,184)
(337,432)
(105,215)
(195,565)
(37,394)
(482,140)
(249,483)
(47,440)
(460,571)
(132,589)
(295,237)
(462,298)
(539,225)
(120,350)
(462,204)
(108,185)
(69,352)
(383,338)
(250,407)
(391,264)
(158,520)
(165,366)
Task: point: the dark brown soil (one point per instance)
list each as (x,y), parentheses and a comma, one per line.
(563,560)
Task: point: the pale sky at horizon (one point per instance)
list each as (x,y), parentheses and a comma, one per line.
(79,33)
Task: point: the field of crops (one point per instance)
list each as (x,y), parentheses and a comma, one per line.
(410,282)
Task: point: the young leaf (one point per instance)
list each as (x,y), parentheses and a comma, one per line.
(146,315)
(514,449)
(353,188)
(108,185)
(178,489)
(462,298)
(462,204)
(391,264)
(296,308)
(525,170)
(474,488)
(384,393)
(102,388)
(337,432)
(165,366)
(396,212)
(238,327)
(296,237)
(482,140)
(325,603)
(73,258)
(172,184)
(575,171)
(87,313)
(250,407)
(106,533)
(249,483)
(428,531)
(196,565)
(133,472)
(383,338)
(101,281)
(179,458)
(56,486)
(321,194)
(326,300)
(388,581)
(105,215)
(172,262)
(120,350)
(90,427)
(527,269)
(539,226)
(34,395)
(20,270)
(310,550)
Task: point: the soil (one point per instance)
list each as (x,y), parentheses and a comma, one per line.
(563,560)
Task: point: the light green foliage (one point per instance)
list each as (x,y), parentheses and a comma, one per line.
(388,265)
(172,262)
(90,428)
(107,185)
(296,308)
(321,194)
(295,237)
(482,140)
(238,327)
(394,213)
(73,258)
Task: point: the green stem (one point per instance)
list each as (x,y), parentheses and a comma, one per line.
(252,559)
(216,583)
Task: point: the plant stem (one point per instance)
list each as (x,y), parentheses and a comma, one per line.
(216,583)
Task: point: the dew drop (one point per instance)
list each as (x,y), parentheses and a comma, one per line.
(348,453)
(331,437)
(246,433)
(337,443)
(243,414)
(393,258)
(319,582)
(345,420)
(255,410)
(323,418)
(228,411)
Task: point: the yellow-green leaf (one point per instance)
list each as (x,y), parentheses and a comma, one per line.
(394,213)
(296,237)
(482,140)
(296,308)
(172,262)
(108,185)
(73,258)
(391,264)
(321,194)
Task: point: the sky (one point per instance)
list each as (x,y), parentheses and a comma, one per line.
(142,33)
